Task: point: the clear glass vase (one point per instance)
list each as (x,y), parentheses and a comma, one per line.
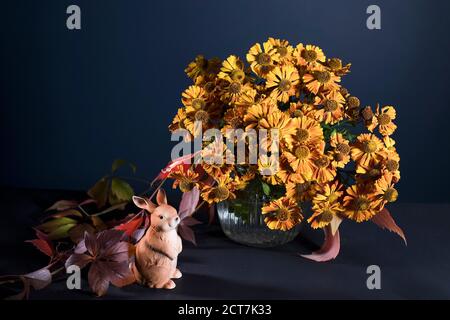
(249,228)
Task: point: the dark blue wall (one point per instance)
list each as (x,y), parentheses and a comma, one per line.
(71,101)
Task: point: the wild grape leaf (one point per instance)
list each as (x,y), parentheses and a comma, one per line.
(76,234)
(132,224)
(53,224)
(98,223)
(67,213)
(189,221)
(57,228)
(63,205)
(109,258)
(43,243)
(39,279)
(187,233)
(121,191)
(188,203)
(98,278)
(335,223)
(99,192)
(43,246)
(78,259)
(61,232)
(119,163)
(330,247)
(138,234)
(384,220)
(184,161)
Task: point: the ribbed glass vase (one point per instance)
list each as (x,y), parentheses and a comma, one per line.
(250,228)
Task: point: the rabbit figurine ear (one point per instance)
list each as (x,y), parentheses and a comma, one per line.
(161,197)
(144,204)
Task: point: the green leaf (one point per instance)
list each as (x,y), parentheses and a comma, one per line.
(67,213)
(61,232)
(119,163)
(55,224)
(99,191)
(265,188)
(121,191)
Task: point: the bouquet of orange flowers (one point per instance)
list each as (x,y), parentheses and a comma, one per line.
(324,159)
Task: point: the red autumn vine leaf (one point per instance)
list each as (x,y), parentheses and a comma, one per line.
(385,221)
(330,247)
(129,227)
(184,161)
(109,258)
(185,230)
(43,244)
(187,207)
(188,203)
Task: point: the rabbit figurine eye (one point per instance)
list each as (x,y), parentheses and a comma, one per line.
(161,217)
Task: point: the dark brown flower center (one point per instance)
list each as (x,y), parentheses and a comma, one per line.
(339,157)
(221,193)
(343,91)
(330,105)
(309,55)
(210,86)
(353,102)
(384,119)
(302,152)
(186,185)
(390,195)
(367,113)
(284,85)
(374,173)
(392,165)
(282,51)
(302,187)
(343,148)
(198,103)
(326,216)
(283,214)
(202,116)
(201,63)
(264,59)
(323,76)
(302,135)
(235,88)
(335,63)
(369,146)
(298,113)
(322,162)
(266,68)
(361,204)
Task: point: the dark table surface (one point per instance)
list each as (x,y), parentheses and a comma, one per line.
(218,268)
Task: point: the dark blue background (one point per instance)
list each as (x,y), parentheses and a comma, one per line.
(72,101)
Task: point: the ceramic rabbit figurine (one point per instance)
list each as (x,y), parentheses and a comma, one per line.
(156,253)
